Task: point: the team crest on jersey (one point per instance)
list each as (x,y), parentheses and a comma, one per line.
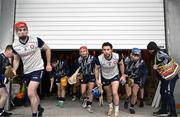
(103,63)
(109,63)
(32,46)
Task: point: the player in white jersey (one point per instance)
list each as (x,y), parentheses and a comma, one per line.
(108,63)
(28,49)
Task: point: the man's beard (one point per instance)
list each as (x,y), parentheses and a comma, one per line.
(107,56)
(85,56)
(23,37)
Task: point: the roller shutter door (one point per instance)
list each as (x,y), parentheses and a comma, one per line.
(68,24)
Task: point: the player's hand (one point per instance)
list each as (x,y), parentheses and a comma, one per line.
(79,76)
(123,77)
(155,67)
(49,67)
(50,90)
(98,83)
(14,71)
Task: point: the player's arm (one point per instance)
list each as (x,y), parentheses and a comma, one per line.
(45,47)
(16,62)
(122,69)
(51,85)
(96,71)
(48,53)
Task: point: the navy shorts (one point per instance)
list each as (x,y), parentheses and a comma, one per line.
(2,77)
(88,78)
(33,76)
(56,76)
(107,82)
(58,79)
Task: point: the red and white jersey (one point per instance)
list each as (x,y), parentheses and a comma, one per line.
(30,54)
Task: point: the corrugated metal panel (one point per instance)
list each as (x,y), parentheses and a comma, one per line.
(68,24)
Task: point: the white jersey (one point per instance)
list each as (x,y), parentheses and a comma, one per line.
(30,54)
(109,68)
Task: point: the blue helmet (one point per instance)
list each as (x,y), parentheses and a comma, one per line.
(136,51)
(96,92)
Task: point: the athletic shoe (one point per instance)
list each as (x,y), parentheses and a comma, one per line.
(5,114)
(141,104)
(131,110)
(89,109)
(126,104)
(116,114)
(109,113)
(160,113)
(84,104)
(60,104)
(172,115)
(40,112)
(74,98)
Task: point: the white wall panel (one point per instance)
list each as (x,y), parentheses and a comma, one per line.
(68,24)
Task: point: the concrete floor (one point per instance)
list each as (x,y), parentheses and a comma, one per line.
(74,109)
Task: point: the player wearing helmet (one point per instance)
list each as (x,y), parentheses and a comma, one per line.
(28,49)
(136,71)
(87,63)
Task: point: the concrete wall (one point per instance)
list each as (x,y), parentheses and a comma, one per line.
(6,27)
(173,31)
(0,22)
(6,22)
(0,8)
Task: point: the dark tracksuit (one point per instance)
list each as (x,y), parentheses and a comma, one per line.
(167,86)
(136,69)
(60,71)
(87,65)
(4,61)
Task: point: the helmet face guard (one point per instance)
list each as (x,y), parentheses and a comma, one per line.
(96,92)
